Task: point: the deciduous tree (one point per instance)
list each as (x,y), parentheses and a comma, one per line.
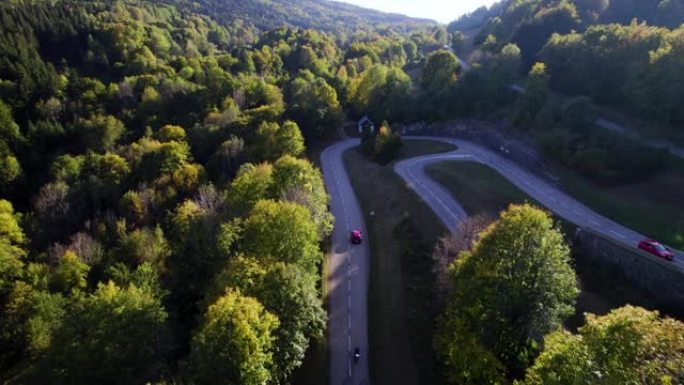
(251,184)
(100,132)
(535,95)
(439,72)
(513,288)
(234,343)
(12,242)
(282,232)
(109,337)
(275,141)
(70,274)
(299,181)
(630,345)
(288,292)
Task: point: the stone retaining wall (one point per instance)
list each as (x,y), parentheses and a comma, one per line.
(657,276)
(654,275)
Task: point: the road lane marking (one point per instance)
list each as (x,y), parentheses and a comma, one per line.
(448,210)
(339,197)
(590,218)
(350,252)
(501,165)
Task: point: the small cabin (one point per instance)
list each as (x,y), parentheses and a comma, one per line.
(366,123)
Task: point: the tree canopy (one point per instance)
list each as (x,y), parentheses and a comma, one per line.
(155,191)
(629,345)
(119,326)
(514,286)
(282,232)
(233,343)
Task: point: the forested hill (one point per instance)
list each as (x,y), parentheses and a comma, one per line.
(505,15)
(319,14)
(530,23)
(623,53)
(159,221)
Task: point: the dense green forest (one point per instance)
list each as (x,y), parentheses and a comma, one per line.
(621,54)
(159,220)
(330,16)
(568,59)
(618,52)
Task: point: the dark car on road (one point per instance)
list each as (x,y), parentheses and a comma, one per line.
(656,249)
(356,237)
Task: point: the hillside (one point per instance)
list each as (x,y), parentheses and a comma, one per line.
(529,23)
(507,14)
(160,220)
(319,14)
(634,47)
(147,148)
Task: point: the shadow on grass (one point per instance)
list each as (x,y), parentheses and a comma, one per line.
(400,320)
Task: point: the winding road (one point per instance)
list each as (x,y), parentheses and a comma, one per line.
(349,267)
(450,211)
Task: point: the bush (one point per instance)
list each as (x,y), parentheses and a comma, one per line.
(382,145)
(579,112)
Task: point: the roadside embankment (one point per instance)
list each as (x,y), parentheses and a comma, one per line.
(662,280)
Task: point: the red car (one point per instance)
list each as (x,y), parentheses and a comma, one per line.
(656,248)
(356,237)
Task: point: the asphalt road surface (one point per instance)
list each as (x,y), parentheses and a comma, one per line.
(348,275)
(450,211)
(349,265)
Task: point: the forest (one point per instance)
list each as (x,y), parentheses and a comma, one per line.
(622,55)
(567,61)
(630,48)
(160,221)
(331,16)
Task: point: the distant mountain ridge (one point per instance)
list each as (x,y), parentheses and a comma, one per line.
(508,14)
(319,14)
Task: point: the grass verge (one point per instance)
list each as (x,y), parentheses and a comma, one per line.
(478,188)
(654,207)
(315,369)
(401,233)
(483,190)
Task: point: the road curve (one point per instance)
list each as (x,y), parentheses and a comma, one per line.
(412,171)
(348,274)
(349,264)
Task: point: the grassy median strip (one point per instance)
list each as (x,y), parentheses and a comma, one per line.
(479,189)
(401,232)
(483,190)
